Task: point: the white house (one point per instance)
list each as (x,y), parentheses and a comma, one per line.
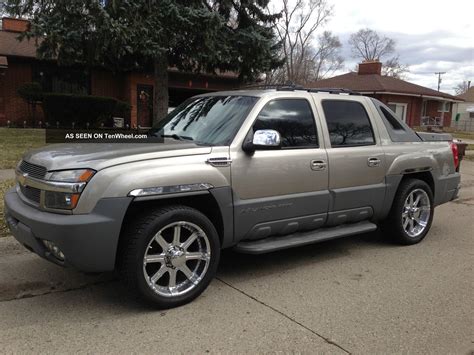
(463,112)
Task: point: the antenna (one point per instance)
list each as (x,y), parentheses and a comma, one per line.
(439,77)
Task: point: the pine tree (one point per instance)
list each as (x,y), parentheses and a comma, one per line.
(191,35)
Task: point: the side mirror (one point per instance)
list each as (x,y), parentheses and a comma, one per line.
(262,139)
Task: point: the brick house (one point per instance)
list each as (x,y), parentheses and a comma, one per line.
(18,65)
(414,104)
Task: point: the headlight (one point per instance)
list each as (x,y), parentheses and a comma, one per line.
(66,200)
(80,175)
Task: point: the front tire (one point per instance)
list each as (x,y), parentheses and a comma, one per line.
(169,256)
(412,212)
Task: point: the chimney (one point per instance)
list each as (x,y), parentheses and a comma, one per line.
(370,67)
(15,24)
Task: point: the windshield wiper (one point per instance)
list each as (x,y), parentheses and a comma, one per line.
(177,137)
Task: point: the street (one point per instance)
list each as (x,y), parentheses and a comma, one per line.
(354,295)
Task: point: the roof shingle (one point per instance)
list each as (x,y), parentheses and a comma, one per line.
(377,83)
(11,46)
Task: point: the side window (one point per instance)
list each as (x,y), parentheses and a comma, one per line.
(293,119)
(391,119)
(348,123)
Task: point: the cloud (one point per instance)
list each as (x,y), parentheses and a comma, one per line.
(431,36)
(425,54)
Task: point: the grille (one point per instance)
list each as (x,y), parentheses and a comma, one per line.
(33,170)
(31,193)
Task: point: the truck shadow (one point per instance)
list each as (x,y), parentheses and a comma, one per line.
(233,264)
(107,292)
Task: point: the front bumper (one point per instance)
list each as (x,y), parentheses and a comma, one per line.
(88,241)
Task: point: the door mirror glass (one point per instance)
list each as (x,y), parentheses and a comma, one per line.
(266,138)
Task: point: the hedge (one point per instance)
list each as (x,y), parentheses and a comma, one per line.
(31,92)
(82,109)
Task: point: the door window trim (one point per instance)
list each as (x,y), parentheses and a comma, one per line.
(317,146)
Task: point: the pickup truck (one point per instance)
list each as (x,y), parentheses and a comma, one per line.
(255,170)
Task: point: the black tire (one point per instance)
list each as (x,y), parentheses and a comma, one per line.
(135,240)
(394,223)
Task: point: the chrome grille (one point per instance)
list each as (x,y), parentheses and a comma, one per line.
(35,171)
(31,193)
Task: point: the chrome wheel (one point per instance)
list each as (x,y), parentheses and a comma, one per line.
(176,259)
(416,212)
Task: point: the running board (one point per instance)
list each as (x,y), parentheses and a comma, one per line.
(298,239)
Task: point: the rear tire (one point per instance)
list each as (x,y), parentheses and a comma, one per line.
(169,256)
(412,212)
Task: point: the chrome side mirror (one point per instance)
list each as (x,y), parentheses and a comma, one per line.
(261,139)
(266,138)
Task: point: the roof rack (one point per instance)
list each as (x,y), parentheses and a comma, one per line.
(293,87)
(335,91)
(278,87)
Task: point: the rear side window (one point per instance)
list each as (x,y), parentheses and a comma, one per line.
(293,119)
(348,123)
(391,119)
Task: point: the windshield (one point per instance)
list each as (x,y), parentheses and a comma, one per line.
(208,120)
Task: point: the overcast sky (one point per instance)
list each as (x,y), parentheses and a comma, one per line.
(431,36)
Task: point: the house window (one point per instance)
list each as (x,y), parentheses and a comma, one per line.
(400,110)
(68,80)
(444,106)
(471,114)
(424,109)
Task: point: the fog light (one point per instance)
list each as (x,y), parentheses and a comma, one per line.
(54,250)
(61,200)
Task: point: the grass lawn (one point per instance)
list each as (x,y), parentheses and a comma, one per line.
(16,141)
(13,143)
(4,186)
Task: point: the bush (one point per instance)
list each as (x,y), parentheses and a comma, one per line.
(68,108)
(122,109)
(31,92)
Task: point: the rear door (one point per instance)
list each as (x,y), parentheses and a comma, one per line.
(356,159)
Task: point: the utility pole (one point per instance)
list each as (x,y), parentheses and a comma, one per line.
(439,77)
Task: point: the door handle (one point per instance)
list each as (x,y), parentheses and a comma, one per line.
(373,162)
(318,165)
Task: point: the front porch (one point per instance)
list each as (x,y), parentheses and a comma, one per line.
(435,113)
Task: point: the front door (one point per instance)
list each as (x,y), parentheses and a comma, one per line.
(144,105)
(284,190)
(356,161)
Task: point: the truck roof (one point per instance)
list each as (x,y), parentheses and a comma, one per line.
(258,92)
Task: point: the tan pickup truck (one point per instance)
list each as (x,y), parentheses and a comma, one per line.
(255,170)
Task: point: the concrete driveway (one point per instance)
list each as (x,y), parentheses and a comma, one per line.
(355,295)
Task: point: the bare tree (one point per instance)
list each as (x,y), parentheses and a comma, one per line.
(310,54)
(462,87)
(392,67)
(368,45)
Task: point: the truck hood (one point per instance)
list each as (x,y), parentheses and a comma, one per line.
(98,156)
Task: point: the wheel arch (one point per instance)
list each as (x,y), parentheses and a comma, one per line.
(393,183)
(216,204)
